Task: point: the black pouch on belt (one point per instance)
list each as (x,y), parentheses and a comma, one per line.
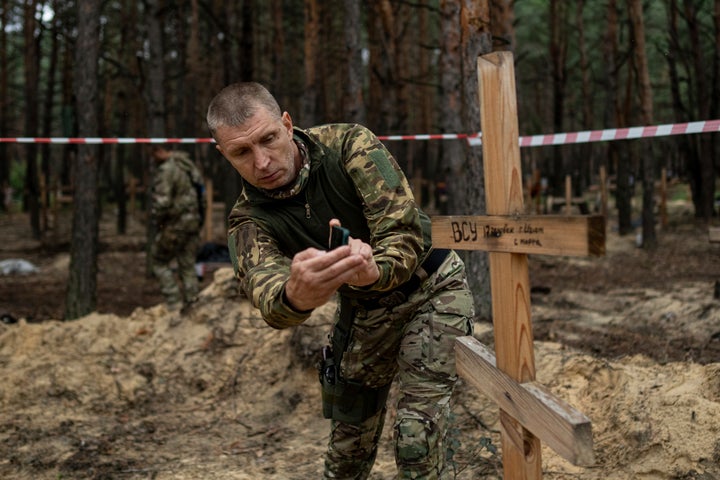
(351,402)
(344,400)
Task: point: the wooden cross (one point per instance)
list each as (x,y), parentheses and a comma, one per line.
(529,413)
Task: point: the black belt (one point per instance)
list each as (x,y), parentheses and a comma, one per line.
(401,293)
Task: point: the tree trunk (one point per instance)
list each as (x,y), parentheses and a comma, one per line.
(679,109)
(278,52)
(386,85)
(618,158)
(626,180)
(312,40)
(326,106)
(31,90)
(427,153)
(502,17)
(585,166)
(82,283)
(449,200)
(236,64)
(195,72)
(476,41)
(704,199)
(126,113)
(558,64)
(4,100)
(646,116)
(69,121)
(48,107)
(353,105)
(155,100)
(715,98)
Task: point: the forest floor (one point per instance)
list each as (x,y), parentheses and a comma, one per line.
(631,339)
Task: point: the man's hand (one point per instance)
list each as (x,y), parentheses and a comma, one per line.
(370,273)
(315,275)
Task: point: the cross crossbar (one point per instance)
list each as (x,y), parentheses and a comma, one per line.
(546,234)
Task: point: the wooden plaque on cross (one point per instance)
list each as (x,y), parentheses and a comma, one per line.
(529,413)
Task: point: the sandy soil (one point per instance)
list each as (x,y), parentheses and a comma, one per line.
(631,339)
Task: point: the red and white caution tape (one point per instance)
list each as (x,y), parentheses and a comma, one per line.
(609,134)
(98,140)
(586,136)
(430,136)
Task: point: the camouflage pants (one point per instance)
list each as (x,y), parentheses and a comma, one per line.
(414,341)
(182,247)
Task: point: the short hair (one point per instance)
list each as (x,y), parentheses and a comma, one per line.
(237,103)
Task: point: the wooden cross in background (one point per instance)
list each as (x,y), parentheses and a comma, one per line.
(529,412)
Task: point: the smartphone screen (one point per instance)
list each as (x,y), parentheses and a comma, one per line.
(338,236)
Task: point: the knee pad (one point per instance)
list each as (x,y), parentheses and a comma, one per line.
(416,441)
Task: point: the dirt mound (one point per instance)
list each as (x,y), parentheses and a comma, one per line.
(223,396)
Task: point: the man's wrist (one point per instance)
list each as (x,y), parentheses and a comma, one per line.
(292,307)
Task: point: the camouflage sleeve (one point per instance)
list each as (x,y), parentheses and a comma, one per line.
(262,269)
(389,207)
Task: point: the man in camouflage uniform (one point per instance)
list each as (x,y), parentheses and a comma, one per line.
(176,211)
(407,301)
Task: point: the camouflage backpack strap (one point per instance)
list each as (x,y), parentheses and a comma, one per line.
(197,183)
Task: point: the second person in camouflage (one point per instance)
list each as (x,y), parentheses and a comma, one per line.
(177,213)
(407,302)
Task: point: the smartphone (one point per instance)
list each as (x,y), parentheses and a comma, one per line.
(339,236)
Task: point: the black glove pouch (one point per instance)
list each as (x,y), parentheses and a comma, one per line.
(347,401)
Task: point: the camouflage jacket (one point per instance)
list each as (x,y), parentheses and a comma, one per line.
(175,200)
(349,175)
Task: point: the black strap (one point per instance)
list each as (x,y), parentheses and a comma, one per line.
(434,260)
(199,193)
(341,332)
(428,267)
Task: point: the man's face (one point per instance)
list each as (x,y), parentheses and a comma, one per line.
(261,150)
